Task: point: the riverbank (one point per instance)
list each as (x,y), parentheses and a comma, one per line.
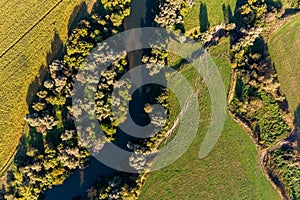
(265,151)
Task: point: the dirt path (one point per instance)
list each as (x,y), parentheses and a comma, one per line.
(179,116)
(262,153)
(271,29)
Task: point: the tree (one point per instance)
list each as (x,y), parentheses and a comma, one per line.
(42,94)
(56,100)
(253,12)
(38,106)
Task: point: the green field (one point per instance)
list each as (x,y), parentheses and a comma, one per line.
(32,33)
(284,51)
(214,11)
(232,169)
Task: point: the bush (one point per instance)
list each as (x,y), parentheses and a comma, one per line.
(284,165)
(253,12)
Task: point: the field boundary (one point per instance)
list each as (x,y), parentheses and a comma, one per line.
(261,153)
(272,29)
(91,3)
(32,27)
(8,163)
(6,166)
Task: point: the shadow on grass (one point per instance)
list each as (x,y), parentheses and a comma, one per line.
(57,48)
(297,116)
(227,13)
(291,11)
(80,12)
(203,18)
(56,52)
(295,136)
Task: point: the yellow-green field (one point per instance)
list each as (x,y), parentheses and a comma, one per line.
(285,53)
(230,171)
(32,33)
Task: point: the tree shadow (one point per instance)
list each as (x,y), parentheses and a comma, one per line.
(97,8)
(227,13)
(151,8)
(290,11)
(284,104)
(56,52)
(203,18)
(179,65)
(237,17)
(80,12)
(141,14)
(57,45)
(297,116)
(2,191)
(295,136)
(277,4)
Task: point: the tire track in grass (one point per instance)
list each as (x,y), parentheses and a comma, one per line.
(9,161)
(29,57)
(41,19)
(4,168)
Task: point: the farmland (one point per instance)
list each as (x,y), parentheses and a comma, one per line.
(284,50)
(231,170)
(35,34)
(32,33)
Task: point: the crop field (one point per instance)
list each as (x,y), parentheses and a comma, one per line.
(214,11)
(284,50)
(32,33)
(230,171)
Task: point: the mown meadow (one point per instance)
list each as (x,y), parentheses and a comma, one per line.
(230,171)
(284,51)
(207,12)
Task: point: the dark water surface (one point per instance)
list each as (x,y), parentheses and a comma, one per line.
(81,180)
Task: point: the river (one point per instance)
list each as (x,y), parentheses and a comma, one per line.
(82,179)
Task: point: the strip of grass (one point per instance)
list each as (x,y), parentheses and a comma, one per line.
(31,33)
(214,12)
(231,171)
(284,51)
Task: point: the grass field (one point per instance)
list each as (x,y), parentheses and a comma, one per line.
(284,50)
(231,171)
(213,9)
(32,33)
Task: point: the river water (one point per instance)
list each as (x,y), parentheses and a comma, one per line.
(81,180)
